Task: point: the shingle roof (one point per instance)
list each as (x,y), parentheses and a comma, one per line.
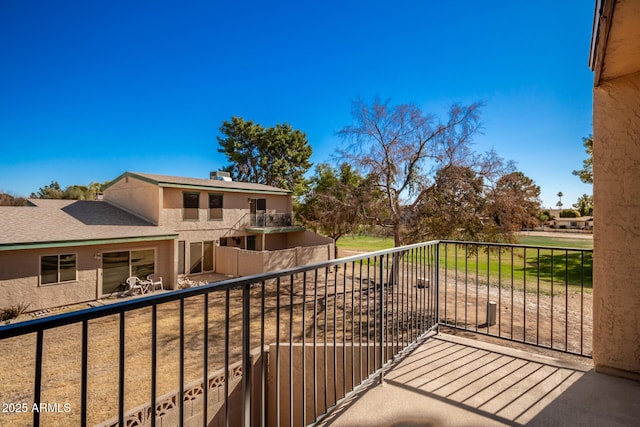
(72,220)
(179,181)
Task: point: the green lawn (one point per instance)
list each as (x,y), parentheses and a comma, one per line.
(365,243)
(546,268)
(518,267)
(557,241)
(373,243)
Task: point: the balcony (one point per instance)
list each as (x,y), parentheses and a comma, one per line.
(446,380)
(309,345)
(267,223)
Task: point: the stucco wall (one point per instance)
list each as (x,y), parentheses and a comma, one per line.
(251,262)
(235,210)
(136,196)
(274,242)
(227,260)
(19,279)
(307,238)
(280,260)
(239,262)
(616,270)
(311,254)
(20,274)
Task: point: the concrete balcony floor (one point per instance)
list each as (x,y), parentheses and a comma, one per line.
(452,381)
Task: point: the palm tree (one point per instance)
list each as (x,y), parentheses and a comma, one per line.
(559,204)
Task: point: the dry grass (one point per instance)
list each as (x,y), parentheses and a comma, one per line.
(61,372)
(305,311)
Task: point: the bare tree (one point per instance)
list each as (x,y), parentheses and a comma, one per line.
(7,199)
(403,147)
(513,205)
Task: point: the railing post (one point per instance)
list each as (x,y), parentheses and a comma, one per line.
(246,355)
(382,323)
(437,288)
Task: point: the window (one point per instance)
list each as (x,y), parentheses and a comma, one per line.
(215,206)
(251,243)
(191,205)
(257,210)
(207,256)
(195,252)
(142,263)
(117,266)
(58,268)
(200,257)
(181,257)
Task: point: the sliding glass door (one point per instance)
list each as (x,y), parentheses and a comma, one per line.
(118,266)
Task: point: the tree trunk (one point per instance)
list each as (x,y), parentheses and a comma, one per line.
(394,273)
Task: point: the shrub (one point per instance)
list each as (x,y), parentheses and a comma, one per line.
(13,311)
(569,213)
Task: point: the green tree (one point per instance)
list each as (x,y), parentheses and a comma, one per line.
(336,201)
(569,213)
(76,192)
(462,205)
(72,192)
(277,156)
(451,208)
(586,173)
(559,204)
(51,191)
(544,216)
(584,205)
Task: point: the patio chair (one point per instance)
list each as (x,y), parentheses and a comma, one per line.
(136,286)
(154,280)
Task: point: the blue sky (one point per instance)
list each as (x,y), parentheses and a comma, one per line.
(90,89)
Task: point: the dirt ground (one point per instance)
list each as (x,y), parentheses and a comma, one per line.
(331,304)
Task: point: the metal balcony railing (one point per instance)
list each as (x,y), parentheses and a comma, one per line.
(282,348)
(270,220)
(531,294)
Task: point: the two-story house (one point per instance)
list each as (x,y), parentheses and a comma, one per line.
(61,252)
(224,226)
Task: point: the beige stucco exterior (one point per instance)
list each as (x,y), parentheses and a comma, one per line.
(239,262)
(137,197)
(616,167)
(20,277)
(162,204)
(153,218)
